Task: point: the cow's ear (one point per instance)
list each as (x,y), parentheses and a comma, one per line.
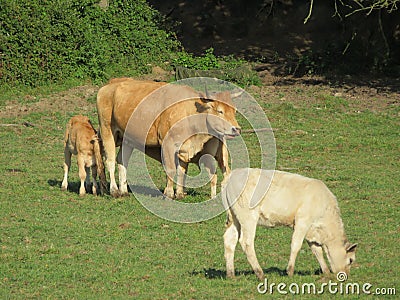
(351,248)
(202,106)
(204,98)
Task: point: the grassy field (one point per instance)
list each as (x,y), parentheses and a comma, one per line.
(57,245)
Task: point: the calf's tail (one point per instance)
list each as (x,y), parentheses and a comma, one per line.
(67,131)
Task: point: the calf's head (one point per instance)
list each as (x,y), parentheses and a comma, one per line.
(342,258)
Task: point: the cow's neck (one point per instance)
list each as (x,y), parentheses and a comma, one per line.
(334,229)
(192,146)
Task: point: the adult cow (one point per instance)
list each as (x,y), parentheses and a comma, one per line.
(171,123)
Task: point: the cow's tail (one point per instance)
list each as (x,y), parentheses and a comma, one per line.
(98,151)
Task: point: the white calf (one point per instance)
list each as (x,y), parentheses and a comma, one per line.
(273,198)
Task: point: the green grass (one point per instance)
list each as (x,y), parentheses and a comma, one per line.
(57,245)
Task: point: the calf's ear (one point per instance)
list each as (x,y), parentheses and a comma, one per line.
(351,248)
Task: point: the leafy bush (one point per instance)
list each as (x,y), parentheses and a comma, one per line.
(226,68)
(208,61)
(48,41)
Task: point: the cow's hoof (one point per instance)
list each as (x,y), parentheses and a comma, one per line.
(124,194)
(115,194)
(63,188)
(180,195)
(169,193)
(260,275)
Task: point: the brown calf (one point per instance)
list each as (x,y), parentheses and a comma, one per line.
(81,139)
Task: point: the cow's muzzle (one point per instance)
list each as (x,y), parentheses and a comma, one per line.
(235,131)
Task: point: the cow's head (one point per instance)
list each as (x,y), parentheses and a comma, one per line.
(221,119)
(342,258)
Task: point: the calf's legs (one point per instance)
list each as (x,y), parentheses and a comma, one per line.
(300,231)
(231,238)
(246,240)
(245,234)
(67,166)
(319,254)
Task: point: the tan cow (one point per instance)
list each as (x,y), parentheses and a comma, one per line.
(302,203)
(173,132)
(82,140)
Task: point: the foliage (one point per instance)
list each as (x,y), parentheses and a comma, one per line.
(46,41)
(207,61)
(227,68)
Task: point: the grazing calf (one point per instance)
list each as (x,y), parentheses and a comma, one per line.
(82,140)
(273,198)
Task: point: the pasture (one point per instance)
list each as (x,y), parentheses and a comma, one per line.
(57,245)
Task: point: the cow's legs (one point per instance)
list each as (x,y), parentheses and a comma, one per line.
(67,166)
(223,161)
(109,151)
(94,176)
(82,174)
(246,239)
(231,237)
(300,231)
(170,167)
(319,254)
(180,183)
(209,164)
(122,161)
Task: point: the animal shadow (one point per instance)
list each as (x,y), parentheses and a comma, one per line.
(144,190)
(73,187)
(212,273)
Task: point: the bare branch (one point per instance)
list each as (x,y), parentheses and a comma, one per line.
(309,12)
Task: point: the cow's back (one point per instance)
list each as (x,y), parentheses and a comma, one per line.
(117,100)
(278,197)
(138,106)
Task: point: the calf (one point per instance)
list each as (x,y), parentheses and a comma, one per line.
(82,140)
(272,198)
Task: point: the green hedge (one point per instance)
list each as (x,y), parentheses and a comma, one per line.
(46,41)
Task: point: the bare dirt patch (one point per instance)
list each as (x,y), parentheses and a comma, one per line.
(69,100)
(357,95)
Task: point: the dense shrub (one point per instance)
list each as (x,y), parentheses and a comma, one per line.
(227,68)
(46,41)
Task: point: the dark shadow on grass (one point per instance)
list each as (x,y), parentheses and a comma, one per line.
(218,274)
(152,192)
(73,187)
(144,190)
